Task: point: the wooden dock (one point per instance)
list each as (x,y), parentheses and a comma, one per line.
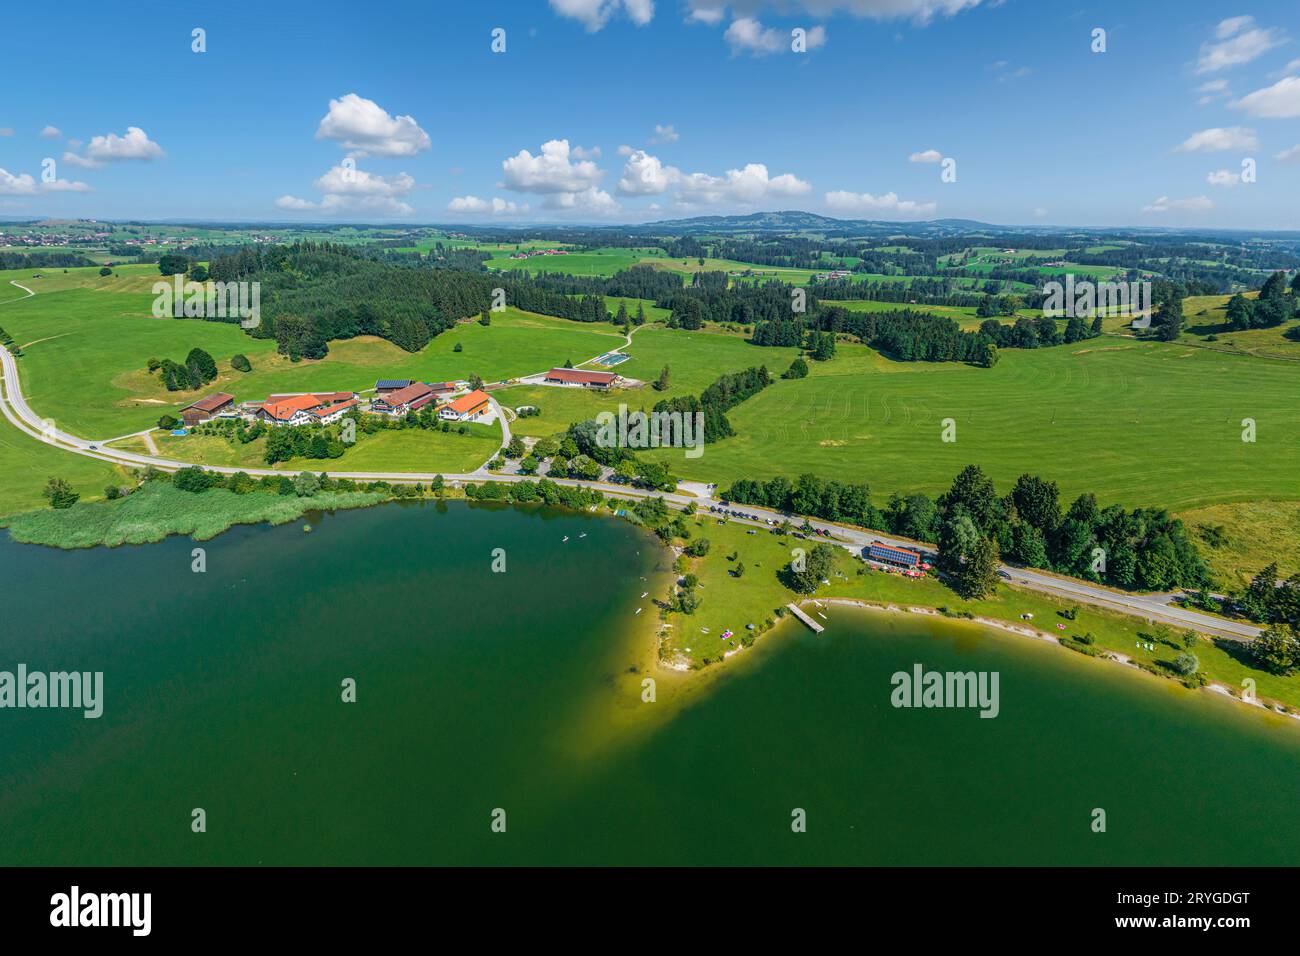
(817,628)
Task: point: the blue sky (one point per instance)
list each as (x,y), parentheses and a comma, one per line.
(635,110)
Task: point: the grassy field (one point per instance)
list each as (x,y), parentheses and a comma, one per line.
(963,315)
(1237,540)
(1137,423)
(694,360)
(597,262)
(728,602)
(652,312)
(86,350)
(1207,316)
(26,464)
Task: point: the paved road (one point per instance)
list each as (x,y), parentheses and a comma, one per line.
(1150,607)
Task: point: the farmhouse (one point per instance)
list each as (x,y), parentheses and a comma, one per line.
(467,408)
(409,399)
(328,414)
(207,408)
(387,385)
(888,554)
(582,377)
(305,409)
(288,411)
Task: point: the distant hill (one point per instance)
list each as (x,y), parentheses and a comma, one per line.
(797,221)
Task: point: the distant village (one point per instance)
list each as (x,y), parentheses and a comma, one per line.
(529,253)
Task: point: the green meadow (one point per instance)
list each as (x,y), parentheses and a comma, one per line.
(1237,540)
(26,464)
(694,360)
(86,344)
(1207,326)
(963,315)
(597,262)
(652,312)
(1137,423)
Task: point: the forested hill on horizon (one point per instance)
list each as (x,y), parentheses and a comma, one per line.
(766,222)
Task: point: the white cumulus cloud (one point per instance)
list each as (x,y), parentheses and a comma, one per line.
(1236,40)
(665,134)
(594,14)
(926,156)
(348,180)
(746,186)
(888,203)
(1291,155)
(550,171)
(51,132)
(476,206)
(1165,204)
(16,185)
(347,189)
(1219,139)
(646,175)
(366,128)
(1279,101)
(748,35)
(24,184)
(294,203)
(921,11)
(109,148)
(591,200)
(64,186)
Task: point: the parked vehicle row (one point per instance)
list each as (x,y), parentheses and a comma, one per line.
(728,512)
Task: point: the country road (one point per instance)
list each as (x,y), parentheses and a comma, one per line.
(1149,607)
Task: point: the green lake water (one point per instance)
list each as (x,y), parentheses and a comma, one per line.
(519,690)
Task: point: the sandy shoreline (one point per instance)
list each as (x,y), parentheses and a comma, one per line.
(1112,656)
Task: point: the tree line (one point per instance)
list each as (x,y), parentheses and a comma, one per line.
(1139,549)
(44,260)
(1270,309)
(725,393)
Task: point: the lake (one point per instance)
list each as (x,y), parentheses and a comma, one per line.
(521,691)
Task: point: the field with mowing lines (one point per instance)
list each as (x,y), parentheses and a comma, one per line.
(1136,423)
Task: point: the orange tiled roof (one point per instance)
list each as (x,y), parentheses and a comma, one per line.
(284,409)
(467,403)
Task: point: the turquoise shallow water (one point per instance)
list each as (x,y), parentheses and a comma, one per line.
(478,691)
